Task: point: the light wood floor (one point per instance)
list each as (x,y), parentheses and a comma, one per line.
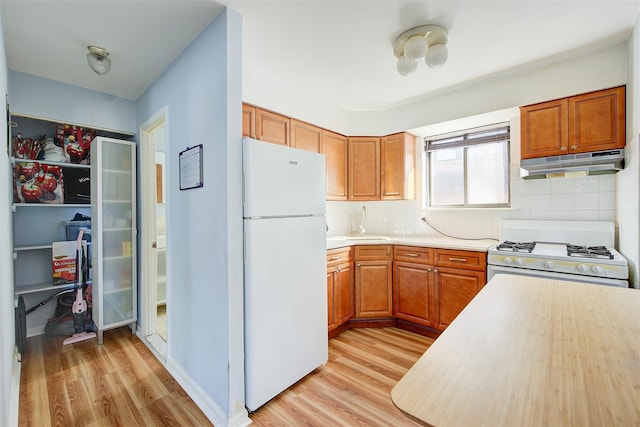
(121,383)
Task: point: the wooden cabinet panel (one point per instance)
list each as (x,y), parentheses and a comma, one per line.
(374,289)
(340,303)
(331,317)
(597,121)
(335,153)
(305,136)
(343,294)
(413,254)
(543,130)
(248,121)
(397,163)
(272,127)
(455,288)
(373,252)
(364,168)
(412,293)
(470,260)
(592,121)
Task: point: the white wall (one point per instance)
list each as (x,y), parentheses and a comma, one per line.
(8,402)
(627,180)
(203,93)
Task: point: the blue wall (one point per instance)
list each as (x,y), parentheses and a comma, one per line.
(203,94)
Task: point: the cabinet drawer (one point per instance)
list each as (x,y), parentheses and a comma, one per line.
(469,260)
(338,256)
(373,252)
(413,254)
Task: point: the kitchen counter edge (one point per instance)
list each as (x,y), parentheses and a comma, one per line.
(483,245)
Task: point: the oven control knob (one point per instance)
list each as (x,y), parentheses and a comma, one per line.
(519,261)
(583,268)
(548,264)
(508,260)
(597,269)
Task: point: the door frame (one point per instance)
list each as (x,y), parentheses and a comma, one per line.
(149,291)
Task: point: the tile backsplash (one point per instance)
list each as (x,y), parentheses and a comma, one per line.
(591,198)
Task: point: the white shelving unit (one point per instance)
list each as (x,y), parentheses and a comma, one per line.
(113,207)
(37,225)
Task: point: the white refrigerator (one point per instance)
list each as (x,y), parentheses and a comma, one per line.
(285,294)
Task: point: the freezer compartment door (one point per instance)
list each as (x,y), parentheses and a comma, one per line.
(285,304)
(282,181)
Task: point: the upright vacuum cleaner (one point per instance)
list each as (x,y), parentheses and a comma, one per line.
(79,307)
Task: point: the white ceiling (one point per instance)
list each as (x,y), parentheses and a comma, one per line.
(336,51)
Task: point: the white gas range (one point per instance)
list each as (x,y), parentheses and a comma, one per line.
(578,251)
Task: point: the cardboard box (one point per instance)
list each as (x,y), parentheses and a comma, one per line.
(63,265)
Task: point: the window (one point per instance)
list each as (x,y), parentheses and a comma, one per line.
(468,169)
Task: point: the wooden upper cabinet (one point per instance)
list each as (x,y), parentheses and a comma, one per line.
(305,136)
(335,153)
(543,129)
(597,121)
(397,163)
(272,127)
(592,121)
(364,168)
(248,121)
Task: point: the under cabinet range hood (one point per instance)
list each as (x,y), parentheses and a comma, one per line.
(570,165)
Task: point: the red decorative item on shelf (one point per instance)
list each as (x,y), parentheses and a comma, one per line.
(37,184)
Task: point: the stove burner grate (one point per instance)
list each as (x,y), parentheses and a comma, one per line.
(516,246)
(589,252)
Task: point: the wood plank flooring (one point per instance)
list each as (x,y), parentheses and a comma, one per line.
(119,383)
(122,384)
(353,388)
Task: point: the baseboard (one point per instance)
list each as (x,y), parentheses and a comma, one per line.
(15,389)
(210,408)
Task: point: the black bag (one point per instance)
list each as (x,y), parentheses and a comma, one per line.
(77,185)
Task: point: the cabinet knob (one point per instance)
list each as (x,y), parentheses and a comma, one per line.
(413,255)
(358,265)
(458,259)
(563,148)
(435,270)
(154,245)
(428,269)
(574,147)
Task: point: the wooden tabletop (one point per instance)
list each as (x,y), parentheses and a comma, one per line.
(532,352)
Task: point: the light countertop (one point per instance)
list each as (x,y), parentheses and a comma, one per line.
(426,241)
(532,352)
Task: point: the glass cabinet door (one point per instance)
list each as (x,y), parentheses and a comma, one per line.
(114,212)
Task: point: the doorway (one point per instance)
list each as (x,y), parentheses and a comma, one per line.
(155,312)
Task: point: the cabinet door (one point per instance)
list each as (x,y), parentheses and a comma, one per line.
(544,130)
(331,317)
(397,159)
(412,293)
(597,121)
(248,121)
(272,127)
(343,294)
(335,153)
(454,290)
(373,289)
(306,137)
(113,215)
(364,168)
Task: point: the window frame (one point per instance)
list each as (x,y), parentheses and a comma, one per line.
(495,133)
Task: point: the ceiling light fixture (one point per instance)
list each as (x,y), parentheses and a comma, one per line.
(98,59)
(428,42)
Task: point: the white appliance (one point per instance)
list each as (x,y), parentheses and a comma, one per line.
(577,251)
(285,293)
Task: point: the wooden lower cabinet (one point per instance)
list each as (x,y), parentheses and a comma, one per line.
(454,289)
(340,304)
(422,289)
(413,293)
(373,277)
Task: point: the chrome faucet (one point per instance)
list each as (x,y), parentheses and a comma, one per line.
(363,220)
